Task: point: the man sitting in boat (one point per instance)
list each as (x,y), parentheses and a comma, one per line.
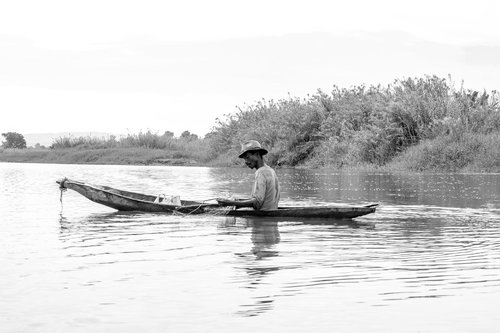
(266,189)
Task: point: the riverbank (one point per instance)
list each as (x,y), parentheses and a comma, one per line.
(116,156)
(468,153)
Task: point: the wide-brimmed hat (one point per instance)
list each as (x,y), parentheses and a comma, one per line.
(251,145)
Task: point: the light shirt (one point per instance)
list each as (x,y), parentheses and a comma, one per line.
(266,189)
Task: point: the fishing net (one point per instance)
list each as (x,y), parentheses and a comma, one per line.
(219,211)
(204,208)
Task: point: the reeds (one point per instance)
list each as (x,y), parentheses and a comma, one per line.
(368,125)
(163,147)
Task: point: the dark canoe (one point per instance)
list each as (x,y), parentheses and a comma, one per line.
(126,200)
(132,201)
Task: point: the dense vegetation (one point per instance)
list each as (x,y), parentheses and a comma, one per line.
(417,124)
(412,124)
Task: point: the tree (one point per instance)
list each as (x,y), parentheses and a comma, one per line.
(13,140)
(189,136)
(168,134)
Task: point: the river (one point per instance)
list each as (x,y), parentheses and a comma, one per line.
(428,260)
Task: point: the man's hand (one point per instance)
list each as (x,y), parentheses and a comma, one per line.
(238,203)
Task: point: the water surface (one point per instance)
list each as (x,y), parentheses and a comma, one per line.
(428,260)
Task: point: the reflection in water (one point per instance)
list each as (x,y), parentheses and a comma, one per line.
(265,235)
(265,263)
(264,238)
(99,223)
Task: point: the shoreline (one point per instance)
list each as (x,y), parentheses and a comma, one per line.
(106,156)
(157,157)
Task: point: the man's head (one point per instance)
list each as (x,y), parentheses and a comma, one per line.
(252,152)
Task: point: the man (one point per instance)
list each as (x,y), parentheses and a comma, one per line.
(266,188)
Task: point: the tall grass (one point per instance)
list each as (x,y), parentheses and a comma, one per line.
(464,152)
(187,146)
(144,140)
(366,125)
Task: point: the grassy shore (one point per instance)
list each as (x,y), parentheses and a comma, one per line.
(119,156)
(137,149)
(453,153)
(474,153)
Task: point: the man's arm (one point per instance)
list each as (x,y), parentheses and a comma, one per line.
(258,195)
(237,203)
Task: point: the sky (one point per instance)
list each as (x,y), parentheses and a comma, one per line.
(128,66)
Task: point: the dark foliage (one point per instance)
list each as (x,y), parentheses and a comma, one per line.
(13,140)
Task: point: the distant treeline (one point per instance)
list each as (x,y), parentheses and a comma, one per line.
(143,148)
(415,123)
(151,147)
(141,140)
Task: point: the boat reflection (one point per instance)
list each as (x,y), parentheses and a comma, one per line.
(112,226)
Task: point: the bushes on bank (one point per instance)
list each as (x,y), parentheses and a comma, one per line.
(463,152)
(368,125)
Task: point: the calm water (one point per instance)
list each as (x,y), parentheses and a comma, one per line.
(427,261)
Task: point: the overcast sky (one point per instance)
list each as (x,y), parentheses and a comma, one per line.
(125,66)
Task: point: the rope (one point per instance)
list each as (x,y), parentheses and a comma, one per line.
(218,211)
(194,210)
(62,189)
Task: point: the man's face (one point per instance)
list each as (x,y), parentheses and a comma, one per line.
(251,158)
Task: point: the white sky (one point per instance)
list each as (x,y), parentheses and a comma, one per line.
(124,66)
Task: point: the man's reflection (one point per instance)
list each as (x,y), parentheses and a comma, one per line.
(265,235)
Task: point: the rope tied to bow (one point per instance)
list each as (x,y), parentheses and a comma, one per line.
(63,189)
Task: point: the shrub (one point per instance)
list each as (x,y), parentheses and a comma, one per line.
(13,140)
(362,124)
(468,151)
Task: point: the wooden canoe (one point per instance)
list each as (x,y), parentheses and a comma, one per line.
(133,201)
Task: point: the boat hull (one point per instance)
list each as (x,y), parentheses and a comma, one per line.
(123,200)
(333,212)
